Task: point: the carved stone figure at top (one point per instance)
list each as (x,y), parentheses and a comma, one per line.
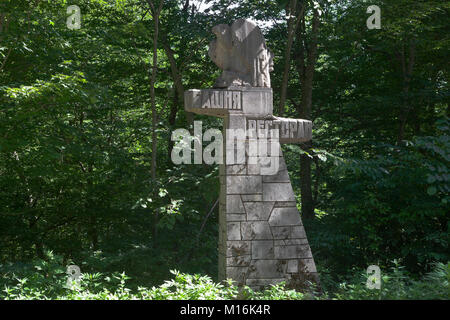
(241,52)
(262,240)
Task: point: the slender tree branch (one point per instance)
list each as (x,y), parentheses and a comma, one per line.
(4,60)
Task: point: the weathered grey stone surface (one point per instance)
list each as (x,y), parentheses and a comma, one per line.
(306,266)
(285,204)
(236,217)
(240,51)
(244,184)
(251,101)
(262,249)
(298,232)
(251,197)
(262,240)
(238,248)
(234,230)
(267,269)
(273,244)
(258,210)
(236,169)
(287,216)
(292,266)
(289,130)
(295,241)
(281,176)
(292,251)
(278,192)
(237,273)
(281,232)
(234,204)
(239,261)
(255,230)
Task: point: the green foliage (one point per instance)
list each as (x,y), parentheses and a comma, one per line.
(48,281)
(76,149)
(189,287)
(399,285)
(274,292)
(384,206)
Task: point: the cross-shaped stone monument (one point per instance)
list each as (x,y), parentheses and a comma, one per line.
(261,236)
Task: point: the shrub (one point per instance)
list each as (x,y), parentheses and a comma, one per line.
(47,280)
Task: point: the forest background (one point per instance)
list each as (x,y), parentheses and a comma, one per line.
(86,117)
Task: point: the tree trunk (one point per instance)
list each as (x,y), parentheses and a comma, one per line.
(4,24)
(177,79)
(407,70)
(171,119)
(307,201)
(152,94)
(306,73)
(292,28)
(155,12)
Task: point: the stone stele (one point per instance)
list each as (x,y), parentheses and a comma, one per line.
(262,240)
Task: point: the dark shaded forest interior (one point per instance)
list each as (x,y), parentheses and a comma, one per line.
(86,117)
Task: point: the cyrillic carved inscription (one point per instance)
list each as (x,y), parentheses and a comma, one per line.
(221,99)
(284,129)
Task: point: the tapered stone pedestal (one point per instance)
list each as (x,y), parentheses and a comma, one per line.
(262,240)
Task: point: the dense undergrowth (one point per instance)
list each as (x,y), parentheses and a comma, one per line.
(47,279)
(78,142)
